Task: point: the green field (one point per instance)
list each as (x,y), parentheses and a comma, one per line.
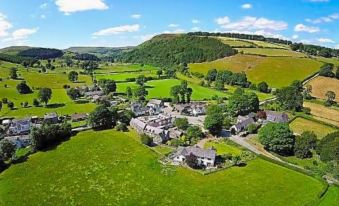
(300,125)
(271,52)
(233,42)
(123,76)
(331,198)
(276,71)
(100,168)
(123,68)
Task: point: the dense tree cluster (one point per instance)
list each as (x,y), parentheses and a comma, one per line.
(86,57)
(23,88)
(242,36)
(277,137)
(49,135)
(107,85)
(102,118)
(168,50)
(214,119)
(181,93)
(17,59)
(41,53)
(222,77)
(242,103)
(304,143)
(291,97)
(315,50)
(328,147)
(327,70)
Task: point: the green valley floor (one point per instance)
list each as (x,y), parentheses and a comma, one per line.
(113,168)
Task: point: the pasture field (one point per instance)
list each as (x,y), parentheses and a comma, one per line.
(123,68)
(109,167)
(321,85)
(334,61)
(322,113)
(55,80)
(162,88)
(271,52)
(124,76)
(276,71)
(269,45)
(300,125)
(233,42)
(229,89)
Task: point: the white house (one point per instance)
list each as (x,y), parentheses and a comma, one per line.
(205,157)
(18,127)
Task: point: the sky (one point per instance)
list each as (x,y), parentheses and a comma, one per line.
(115,23)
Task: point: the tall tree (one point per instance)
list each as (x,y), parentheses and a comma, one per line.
(73,76)
(13,73)
(45,94)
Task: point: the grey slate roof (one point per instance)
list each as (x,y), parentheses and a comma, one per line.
(196,151)
(243,124)
(277,117)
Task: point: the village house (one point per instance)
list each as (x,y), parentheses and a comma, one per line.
(51,118)
(191,109)
(242,123)
(276,117)
(19,127)
(78,117)
(138,109)
(155,106)
(20,141)
(175,133)
(205,157)
(93,93)
(155,127)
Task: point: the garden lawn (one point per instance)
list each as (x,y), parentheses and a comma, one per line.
(223,147)
(108,167)
(276,71)
(300,125)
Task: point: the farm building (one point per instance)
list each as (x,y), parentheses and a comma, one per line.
(241,125)
(19,127)
(276,117)
(51,118)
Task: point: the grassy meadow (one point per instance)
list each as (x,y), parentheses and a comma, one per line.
(224,147)
(271,52)
(114,168)
(321,85)
(322,113)
(276,71)
(300,125)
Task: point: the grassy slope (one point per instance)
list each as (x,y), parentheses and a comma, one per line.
(271,52)
(300,125)
(109,167)
(331,198)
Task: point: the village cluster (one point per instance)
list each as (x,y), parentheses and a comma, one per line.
(154,119)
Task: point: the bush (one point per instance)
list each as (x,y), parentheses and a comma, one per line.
(49,135)
(304,144)
(122,127)
(252,128)
(36,102)
(146,140)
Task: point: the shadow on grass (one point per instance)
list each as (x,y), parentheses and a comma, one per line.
(55,105)
(83,101)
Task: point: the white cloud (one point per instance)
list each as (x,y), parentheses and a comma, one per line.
(71,6)
(195,28)
(252,23)
(5,25)
(337,46)
(44,5)
(324,19)
(325,40)
(195,21)
(117,30)
(136,16)
(306,41)
(223,20)
(173,25)
(43,16)
(246,6)
(20,35)
(304,28)
(295,36)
